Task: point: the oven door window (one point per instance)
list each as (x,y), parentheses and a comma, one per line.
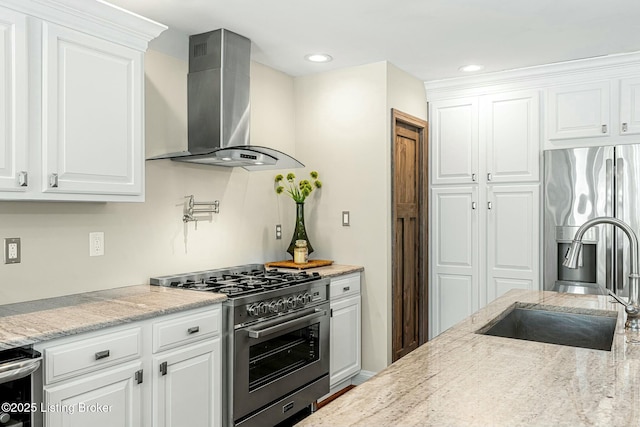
(272,359)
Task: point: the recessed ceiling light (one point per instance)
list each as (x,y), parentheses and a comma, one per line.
(318,57)
(471,68)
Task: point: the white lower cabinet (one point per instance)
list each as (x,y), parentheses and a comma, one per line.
(159,372)
(187,389)
(485,240)
(345,352)
(111,397)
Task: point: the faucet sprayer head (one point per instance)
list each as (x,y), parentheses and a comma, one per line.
(573,254)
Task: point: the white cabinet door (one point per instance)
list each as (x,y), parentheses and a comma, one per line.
(92,114)
(513,238)
(187,386)
(510,133)
(109,398)
(579,111)
(630,106)
(454,141)
(345,339)
(455,260)
(13,100)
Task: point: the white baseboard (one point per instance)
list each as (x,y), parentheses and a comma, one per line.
(361,377)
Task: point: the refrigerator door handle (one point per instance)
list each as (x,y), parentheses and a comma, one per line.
(619,213)
(607,230)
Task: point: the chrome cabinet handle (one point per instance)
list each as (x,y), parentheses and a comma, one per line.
(489,205)
(139,376)
(102,354)
(163,368)
(346,288)
(193,330)
(23,179)
(474,205)
(624,127)
(53,180)
(489,177)
(473,177)
(604,128)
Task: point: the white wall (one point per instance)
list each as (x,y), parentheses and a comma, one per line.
(343,124)
(149,239)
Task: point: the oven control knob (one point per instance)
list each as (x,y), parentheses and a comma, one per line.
(300,300)
(263,308)
(307,298)
(291,302)
(273,307)
(251,310)
(282,305)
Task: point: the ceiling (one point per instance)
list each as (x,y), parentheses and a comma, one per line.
(429,39)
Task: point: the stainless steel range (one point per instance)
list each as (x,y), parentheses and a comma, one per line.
(275,340)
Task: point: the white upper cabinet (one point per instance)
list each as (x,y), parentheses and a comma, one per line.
(579,110)
(510,133)
(92,114)
(13,100)
(593,113)
(491,138)
(630,106)
(71,101)
(454,129)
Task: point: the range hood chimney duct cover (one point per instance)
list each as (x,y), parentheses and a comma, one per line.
(219,107)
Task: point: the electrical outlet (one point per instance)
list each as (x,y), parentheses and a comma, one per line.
(278,231)
(12,250)
(96,243)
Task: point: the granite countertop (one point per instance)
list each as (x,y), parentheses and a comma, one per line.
(31,322)
(332,270)
(461,378)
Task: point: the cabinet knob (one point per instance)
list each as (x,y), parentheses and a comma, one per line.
(53,180)
(604,128)
(23,179)
(624,127)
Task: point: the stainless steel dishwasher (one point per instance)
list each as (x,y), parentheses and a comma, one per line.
(17,403)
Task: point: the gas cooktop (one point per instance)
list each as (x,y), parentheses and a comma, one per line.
(236,281)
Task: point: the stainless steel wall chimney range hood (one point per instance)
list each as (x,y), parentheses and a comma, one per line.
(219,109)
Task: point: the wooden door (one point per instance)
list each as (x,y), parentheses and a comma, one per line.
(409,291)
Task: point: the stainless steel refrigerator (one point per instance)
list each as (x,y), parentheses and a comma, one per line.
(580,184)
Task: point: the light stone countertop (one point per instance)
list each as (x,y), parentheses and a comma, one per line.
(461,378)
(332,270)
(31,322)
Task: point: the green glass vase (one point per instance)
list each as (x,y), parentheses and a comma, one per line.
(299,232)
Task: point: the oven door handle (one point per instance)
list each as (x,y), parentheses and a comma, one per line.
(17,370)
(259,333)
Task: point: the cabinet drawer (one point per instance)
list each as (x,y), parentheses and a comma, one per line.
(186,329)
(343,286)
(90,354)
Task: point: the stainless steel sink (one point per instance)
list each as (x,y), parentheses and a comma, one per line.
(574,327)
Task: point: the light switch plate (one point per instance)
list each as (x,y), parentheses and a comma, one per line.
(12,250)
(345,218)
(278,231)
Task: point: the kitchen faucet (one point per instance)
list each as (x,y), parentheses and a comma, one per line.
(571,261)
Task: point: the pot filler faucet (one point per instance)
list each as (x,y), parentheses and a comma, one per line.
(571,261)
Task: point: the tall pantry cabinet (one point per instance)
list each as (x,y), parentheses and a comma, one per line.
(485,200)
